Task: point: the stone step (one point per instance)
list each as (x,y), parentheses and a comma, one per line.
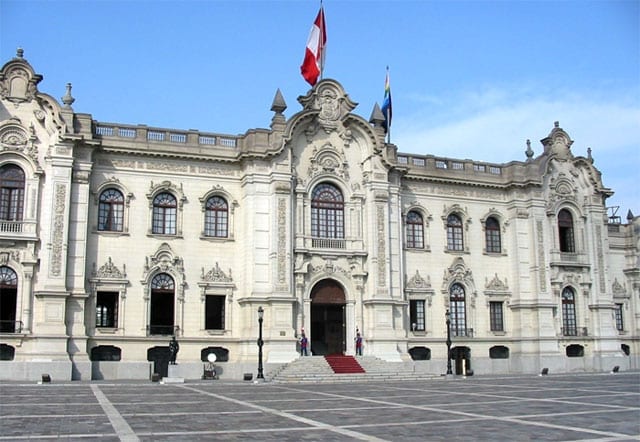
(354,377)
(315,369)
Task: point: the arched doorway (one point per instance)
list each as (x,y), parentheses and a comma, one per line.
(8,300)
(328,318)
(161,318)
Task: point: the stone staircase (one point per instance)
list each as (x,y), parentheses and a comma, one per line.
(342,364)
(316,369)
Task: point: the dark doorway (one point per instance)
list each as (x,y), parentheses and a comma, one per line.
(328,318)
(461,356)
(8,298)
(160,358)
(162,305)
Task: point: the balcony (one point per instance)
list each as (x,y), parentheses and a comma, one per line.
(17,229)
(462,332)
(162,330)
(569,259)
(10,326)
(574,331)
(328,243)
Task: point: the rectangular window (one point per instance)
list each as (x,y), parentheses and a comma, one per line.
(214,312)
(454,238)
(107,309)
(619,320)
(495,316)
(416,314)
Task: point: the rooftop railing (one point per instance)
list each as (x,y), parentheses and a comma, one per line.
(156,135)
(448,164)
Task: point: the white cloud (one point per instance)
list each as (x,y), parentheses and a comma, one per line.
(493,124)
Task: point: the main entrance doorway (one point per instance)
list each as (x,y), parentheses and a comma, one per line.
(328,318)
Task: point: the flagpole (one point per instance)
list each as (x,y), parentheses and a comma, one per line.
(322,39)
(389,110)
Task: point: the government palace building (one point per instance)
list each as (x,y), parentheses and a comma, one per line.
(116,237)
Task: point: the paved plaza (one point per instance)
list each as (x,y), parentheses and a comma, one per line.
(602,407)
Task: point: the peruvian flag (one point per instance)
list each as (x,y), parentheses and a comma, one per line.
(314,54)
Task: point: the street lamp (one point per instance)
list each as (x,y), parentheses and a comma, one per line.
(447,315)
(260,342)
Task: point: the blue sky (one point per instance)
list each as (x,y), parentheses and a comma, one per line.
(470,79)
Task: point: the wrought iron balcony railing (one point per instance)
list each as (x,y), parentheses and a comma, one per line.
(575,331)
(162,330)
(328,243)
(7,326)
(462,332)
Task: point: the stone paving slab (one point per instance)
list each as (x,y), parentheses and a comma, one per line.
(603,407)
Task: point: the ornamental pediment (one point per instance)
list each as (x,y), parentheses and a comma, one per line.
(109,271)
(18,81)
(331,103)
(496,284)
(216,275)
(418,282)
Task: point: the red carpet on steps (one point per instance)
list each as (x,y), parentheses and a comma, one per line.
(344,364)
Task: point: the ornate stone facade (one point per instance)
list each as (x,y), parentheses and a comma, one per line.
(121,232)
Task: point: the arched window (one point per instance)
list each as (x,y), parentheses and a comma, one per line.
(454,233)
(492,235)
(565,231)
(111,211)
(415,232)
(569,326)
(161,317)
(12,183)
(457,309)
(216,217)
(164,214)
(327,212)
(8,300)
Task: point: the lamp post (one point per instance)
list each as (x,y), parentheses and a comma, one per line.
(260,342)
(447,315)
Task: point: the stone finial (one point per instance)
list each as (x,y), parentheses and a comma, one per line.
(589,157)
(377,117)
(68,99)
(529,151)
(556,124)
(279,105)
(630,215)
(20,53)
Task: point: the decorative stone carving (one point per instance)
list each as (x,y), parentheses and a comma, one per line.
(57,237)
(600,257)
(14,137)
(558,143)
(282,242)
(382,252)
(216,274)
(331,103)
(496,284)
(166,185)
(328,268)
(328,159)
(542,266)
(418,282)
(618,290)
(457,272)
(109,270)
(8,255)
(19,82)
